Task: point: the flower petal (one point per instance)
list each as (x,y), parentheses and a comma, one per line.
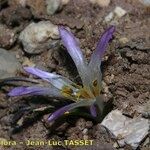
(95,62)
(102,44)
(35,90)
(93,110)
(69,107)
(72,46)
(56,80)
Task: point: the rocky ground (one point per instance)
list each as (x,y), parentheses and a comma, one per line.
(29,37)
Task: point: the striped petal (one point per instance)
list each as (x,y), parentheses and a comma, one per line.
(35,90)
(67,108)
(72,46)
(56,80)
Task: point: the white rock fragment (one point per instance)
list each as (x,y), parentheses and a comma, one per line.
(109,17)
(117,13)
(101,3)
(52,6)
(120,12)
(126,130)
(37,37)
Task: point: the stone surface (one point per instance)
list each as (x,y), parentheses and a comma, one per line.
(7,37)
(145,2)
(64,2)
(37,37)
(109,17)
(143,109)
(101,3)
(116,14)
(120,12)
(9,65)
(126,130)
(52,6)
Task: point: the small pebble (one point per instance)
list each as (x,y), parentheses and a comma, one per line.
(52,6)
(109,17)
(85,131)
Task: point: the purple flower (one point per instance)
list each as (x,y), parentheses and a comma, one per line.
(87,94)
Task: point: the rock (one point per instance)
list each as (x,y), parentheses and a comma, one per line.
(123,40)
(101,3)
(65,2)
(85,131)
(52,6)
(7,37)
(120,12)
(145,2)
(109,17)
(126,130)
(9,65)
(116,14)
(37,37)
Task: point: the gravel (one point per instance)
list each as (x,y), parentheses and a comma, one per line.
(8,68)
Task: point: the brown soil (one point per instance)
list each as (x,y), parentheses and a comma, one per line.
(126,68)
